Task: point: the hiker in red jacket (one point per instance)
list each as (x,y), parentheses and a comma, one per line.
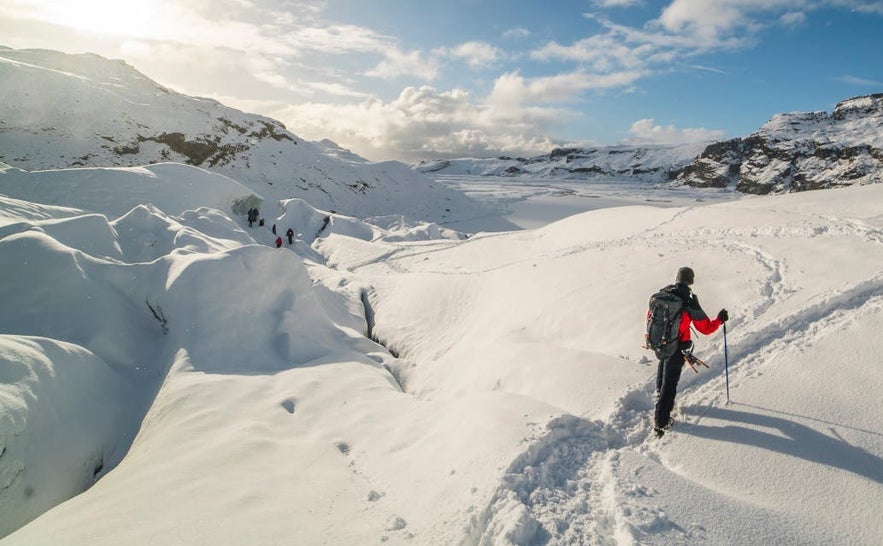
(669,371)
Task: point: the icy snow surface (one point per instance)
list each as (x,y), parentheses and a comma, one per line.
(167,376)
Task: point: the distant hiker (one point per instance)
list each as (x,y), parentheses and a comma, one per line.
(278,242)
(325,224)
(274,229)
(672,310)
(252,216)
(261,222)
(290,235)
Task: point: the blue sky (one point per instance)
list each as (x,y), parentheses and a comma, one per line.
(419,79)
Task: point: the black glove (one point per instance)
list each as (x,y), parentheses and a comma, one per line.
(687,347)
(723,316)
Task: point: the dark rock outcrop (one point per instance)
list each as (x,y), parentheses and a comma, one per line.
(798,152)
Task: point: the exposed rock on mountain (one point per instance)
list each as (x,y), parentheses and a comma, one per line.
(649,163)
(799,151)
(59,111)
(791,152)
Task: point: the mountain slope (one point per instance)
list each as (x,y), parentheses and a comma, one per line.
(799,151)
(62,110)
(646,163)
(791,152)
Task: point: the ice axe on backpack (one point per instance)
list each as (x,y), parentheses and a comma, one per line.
(694,361)
(690,358)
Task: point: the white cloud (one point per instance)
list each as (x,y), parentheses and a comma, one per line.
(243,26)
(712,25)
(400,63)
(337,39)
(337,89)
(793,19)
(476,54)
(863,6)
(685,29)
(602,52)
(697,18)
(620,48)
(423,123)
(135,49)
(863,82)
(703,68)
(518,32)
(645,131)
(616,3)
(512,89)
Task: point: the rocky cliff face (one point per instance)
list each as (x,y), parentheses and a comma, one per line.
(791,152)
(799,151)
(648,163)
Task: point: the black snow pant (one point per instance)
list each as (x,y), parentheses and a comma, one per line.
(667,376)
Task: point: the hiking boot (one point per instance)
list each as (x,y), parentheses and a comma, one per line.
(660,431)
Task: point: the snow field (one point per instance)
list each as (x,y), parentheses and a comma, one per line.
(234,395)
(556,306)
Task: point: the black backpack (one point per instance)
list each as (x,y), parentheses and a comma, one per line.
(663,322)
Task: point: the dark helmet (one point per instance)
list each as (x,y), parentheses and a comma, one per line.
(685,276)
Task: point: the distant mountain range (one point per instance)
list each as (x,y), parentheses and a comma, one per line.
(791,152)
(62,111)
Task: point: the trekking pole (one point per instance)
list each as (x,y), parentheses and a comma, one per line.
(726,363)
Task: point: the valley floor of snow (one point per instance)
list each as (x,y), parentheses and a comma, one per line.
(168,376)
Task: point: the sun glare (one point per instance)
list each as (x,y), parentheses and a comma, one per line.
(136,19)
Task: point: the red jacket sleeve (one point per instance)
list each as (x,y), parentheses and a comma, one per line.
(705,326)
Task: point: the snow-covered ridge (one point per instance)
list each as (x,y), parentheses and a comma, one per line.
(648,163)
(61,111)
(799,151)
(105,296)
(113,191)
(791,152)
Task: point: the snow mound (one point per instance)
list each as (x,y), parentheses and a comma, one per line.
(45,456)
(97,313)
(309,223)
(171,187)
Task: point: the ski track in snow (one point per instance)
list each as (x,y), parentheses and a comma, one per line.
(564,488)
